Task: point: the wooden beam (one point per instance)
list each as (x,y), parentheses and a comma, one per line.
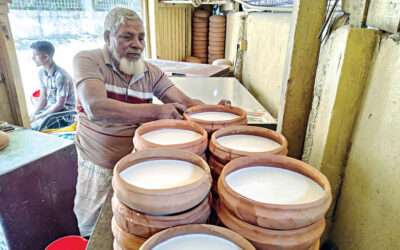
(358,10)
(10,74)
(384,15)
(300,68)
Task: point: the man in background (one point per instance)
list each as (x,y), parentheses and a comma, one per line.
(56,88)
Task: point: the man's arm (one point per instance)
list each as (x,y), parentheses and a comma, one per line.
(59,105)
(98,107)
(175,95)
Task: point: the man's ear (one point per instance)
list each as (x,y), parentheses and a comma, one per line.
(107,37)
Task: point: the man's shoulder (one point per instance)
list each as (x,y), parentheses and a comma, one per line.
(61,73)
(152,68)
(95,54)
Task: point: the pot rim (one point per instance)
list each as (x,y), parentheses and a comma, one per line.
(274,161)
(246,130)
(217,231)
(160,154)
(169,123)
(214,108)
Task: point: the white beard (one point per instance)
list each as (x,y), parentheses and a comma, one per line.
(129,67)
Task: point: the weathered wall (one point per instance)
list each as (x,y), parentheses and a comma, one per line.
(264,60)
(367,214)
(342,71)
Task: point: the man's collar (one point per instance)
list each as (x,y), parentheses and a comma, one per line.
(52,70)
(108,59)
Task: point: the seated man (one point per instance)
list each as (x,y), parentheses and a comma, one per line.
(115,87)
(56,88)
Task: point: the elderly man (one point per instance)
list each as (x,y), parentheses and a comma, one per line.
(115,87)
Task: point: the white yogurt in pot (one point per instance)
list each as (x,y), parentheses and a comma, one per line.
(274,185)
(171,136)
(162,174)
(214,116)
(248,143)
(197,242)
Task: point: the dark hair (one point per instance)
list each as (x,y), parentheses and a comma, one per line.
(44,47)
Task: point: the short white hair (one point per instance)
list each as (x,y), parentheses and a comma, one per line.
(117,17)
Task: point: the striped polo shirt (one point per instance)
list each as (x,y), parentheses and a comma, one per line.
(105,144)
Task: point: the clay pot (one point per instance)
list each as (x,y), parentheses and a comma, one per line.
(145,225)
(214,43)
(216,39)
(4,140)
(274,216)
(224,155)
(201,13)
(197,147)
(199,38)
(215,166)
(123,239)
(217,19)
(217,25)
(199,43)
(192,59)
(200,19)
(200,29)
(197,229)
(200,25)
(216,48)
(263,238)
(216,34)
(161,201)
(222,62)
(211,126)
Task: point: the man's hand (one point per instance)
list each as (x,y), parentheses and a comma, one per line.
(32,118)
(226,103)
(171,111)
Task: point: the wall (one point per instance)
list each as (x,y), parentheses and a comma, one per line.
(367,215)
(264,60)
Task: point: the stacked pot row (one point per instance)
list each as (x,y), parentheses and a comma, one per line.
(216,38)
(140,212)
(200,35)
(273,225)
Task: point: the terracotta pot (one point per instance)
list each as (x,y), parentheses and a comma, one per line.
(124,239)
(200,38)
(200,19)
(161,201)
(200,25)
(145,225)
(197,229)
(217,19)
(224,155)
(217,25)
(201,13)
(197,147)
(216,34)
(262,238)
(211,126)
(200,55)
(192,59)
(217,29)
(200,29)
(4,140)
(216,39)
(216,48)
(214,43)
(275,216)
(215,166)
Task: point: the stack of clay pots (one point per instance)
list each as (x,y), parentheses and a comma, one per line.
(216,38)
(213,125)
(200,35)
(170,134)
(140,212)
(221,155)
(272,225)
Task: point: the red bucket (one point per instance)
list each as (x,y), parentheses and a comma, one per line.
(68,243)
(35,97)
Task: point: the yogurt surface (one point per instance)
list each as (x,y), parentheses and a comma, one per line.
(248,143)
(197,242)
(214,116)
(274,185)
(171,136)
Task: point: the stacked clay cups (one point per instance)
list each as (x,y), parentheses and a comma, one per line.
(214,117)
(155,189)
(200,35)
(216,38)
(274,201)
(230,143)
